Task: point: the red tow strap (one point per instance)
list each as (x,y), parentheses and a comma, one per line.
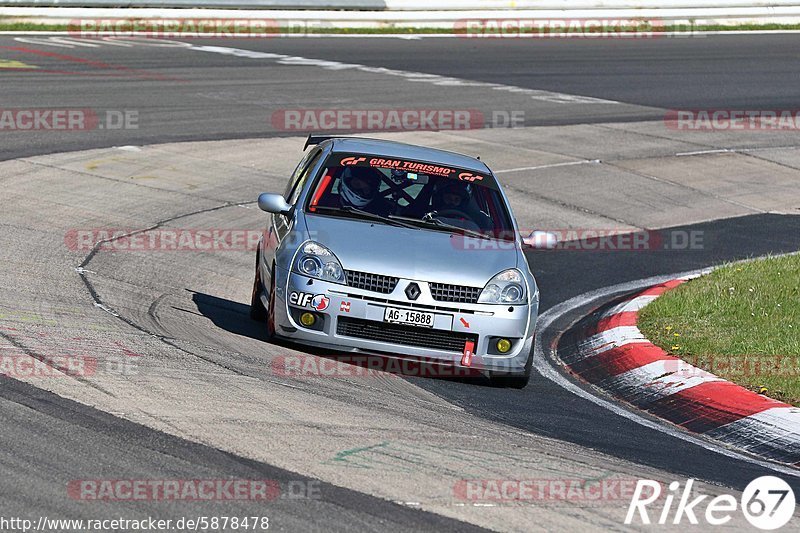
(466,359)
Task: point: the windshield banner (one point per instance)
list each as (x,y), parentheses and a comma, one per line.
(412,168)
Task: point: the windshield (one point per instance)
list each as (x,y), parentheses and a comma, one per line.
(424,194)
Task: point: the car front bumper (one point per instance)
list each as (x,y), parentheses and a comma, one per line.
(352,321)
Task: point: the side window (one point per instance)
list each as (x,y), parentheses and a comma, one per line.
(298,171)
(298,187)
(299,178)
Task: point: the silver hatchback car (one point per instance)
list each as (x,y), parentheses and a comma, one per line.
(385,248)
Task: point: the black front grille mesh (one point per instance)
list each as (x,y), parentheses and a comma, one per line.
(443,292)
(434,339)
(371,282)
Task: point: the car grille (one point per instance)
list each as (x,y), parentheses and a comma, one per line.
(443,292)
(434,339)
(371,282)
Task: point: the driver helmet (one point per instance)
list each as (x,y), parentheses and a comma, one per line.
(358,186)
(451,196)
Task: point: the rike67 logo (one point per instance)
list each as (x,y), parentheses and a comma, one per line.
(768,503)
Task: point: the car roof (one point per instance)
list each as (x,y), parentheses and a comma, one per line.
(380,147)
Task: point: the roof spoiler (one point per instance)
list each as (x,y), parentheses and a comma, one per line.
(317,139)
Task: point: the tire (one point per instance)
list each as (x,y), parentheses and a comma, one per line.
(510,382)
(257,311)
(271,311)
(513,381)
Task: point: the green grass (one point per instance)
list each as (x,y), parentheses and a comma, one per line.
(741,322)
(16,25)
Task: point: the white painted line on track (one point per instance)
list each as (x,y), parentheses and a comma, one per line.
(115,42)
(157,43)
(545,367)
(103,307)
(435,79)
(703,152)
(737,150)
(85,43)
(553,165)
(43,42)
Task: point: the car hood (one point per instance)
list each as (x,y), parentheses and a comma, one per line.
(422,254)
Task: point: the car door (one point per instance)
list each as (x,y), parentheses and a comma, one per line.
(280,225)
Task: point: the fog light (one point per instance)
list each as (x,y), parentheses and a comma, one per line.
(308,319)
(503,345)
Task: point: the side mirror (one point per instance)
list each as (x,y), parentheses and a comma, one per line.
(541,240)
(273,203)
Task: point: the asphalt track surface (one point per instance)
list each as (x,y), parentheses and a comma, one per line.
(188,95)
(555,412)
(206,96)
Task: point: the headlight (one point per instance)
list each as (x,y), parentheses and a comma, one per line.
(316,261)
(508,287)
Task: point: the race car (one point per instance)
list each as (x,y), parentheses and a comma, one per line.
(386,248)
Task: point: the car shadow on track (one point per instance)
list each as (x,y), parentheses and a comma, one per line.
(235,318)
(229,315)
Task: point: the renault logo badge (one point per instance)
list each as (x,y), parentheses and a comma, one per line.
(413,291)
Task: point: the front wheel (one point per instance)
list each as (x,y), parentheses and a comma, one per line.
(271,310)
(513,381)
(257,311)
(510,382)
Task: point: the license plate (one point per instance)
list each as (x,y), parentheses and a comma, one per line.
(408,316)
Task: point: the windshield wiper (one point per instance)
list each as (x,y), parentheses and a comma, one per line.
(435,223)
(365,214)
